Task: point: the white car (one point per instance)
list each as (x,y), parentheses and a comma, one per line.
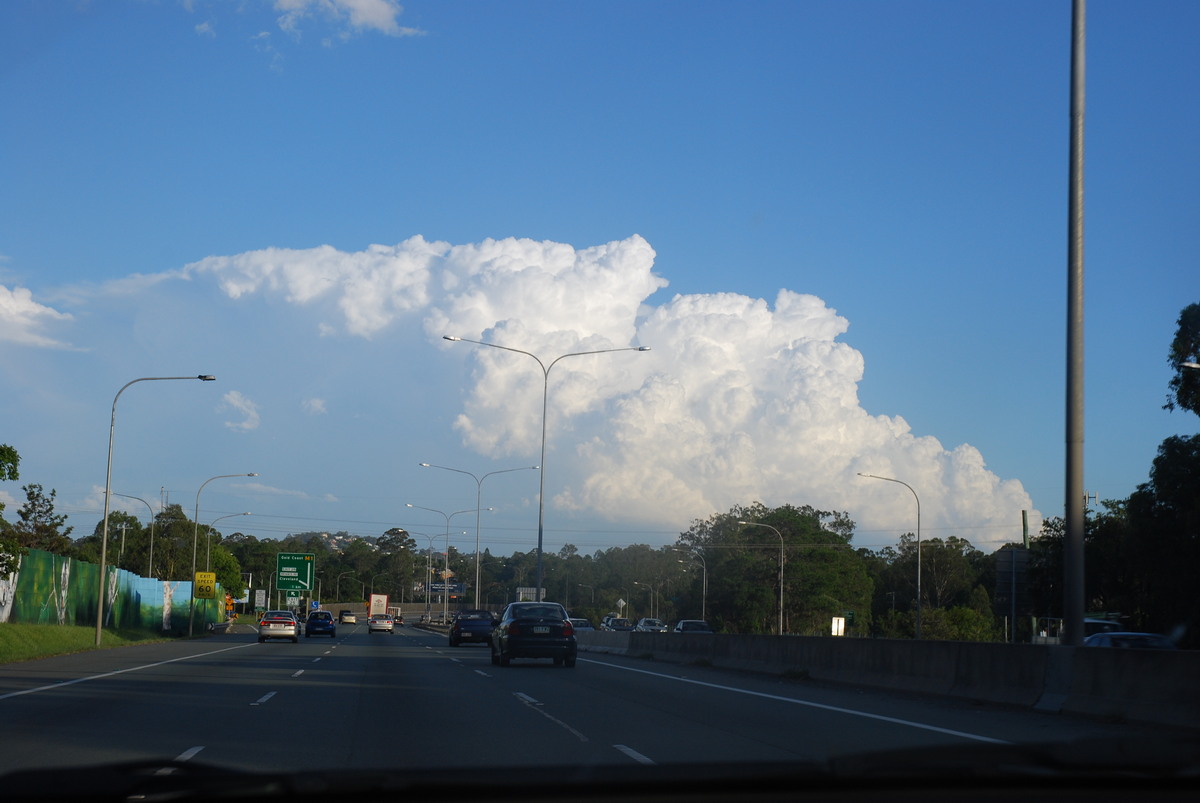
(380,623)
(278,624)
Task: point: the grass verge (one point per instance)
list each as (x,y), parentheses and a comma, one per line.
(22,642)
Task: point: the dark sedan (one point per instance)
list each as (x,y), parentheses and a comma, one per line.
(471,626)
(320,623)
(534,630)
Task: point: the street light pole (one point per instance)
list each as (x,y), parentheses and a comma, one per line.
(914,493)
(112,426)
(703,582)
(769,527)
(478,502)
(150,562)
(545,395)
(337,589)
(208,538)
(196,542)
(446,580)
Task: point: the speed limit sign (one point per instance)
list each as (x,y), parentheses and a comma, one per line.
(206,585)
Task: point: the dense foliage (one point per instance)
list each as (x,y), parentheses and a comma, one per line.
(1140,554)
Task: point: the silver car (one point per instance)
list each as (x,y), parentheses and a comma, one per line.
(278,624)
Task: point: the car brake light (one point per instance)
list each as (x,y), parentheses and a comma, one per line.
(568,628)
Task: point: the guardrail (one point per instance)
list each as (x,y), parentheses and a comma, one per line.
(1152,686)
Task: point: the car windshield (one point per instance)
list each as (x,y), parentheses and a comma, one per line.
(759,320)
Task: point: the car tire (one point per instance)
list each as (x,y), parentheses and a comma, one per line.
(495,659)
(504,660)
(261,640)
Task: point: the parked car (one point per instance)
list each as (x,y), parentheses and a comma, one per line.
(619,623)
(320,623)
(380,623)
(647,625)
(534,630)
(347,617)
(1128,641)
(471,626)
(581,625)
(692,626)
(278,624)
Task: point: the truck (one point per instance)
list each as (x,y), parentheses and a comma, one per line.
(378,603)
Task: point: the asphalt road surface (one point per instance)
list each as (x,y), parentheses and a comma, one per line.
(410,700)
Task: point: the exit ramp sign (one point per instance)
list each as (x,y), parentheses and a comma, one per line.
(294,571)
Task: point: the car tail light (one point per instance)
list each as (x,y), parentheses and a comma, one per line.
(514,629)
(568,628)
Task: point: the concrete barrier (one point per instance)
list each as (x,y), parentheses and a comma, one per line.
(1151,686)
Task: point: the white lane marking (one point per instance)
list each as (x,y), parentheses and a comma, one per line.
(316,659)
(59,684)
(189,753)
(534,705)
(481,672)
(298,673)
(264,698)
(794,701)
(635,755)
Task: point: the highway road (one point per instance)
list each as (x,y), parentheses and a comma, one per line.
(410,700)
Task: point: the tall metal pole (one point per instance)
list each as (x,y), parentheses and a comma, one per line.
(914,493)
(478,508)
(150,562)
(545,395)
(196,541)
(1073,582)
(776,531)
(112,426)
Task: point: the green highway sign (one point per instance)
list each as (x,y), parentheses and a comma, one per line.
(295,571)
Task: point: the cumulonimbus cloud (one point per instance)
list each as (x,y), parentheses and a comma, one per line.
(23,320)
(740,400)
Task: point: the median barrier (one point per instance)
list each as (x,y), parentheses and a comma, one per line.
(1151,686)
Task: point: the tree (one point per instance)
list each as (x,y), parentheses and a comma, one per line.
(1185,385)
(1164,522)
(39,527)
(10,548)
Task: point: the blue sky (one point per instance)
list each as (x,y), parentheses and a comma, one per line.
(841,228)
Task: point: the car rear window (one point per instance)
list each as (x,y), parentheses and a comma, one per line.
(540,612)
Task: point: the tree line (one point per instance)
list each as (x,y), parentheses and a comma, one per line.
(1140,559)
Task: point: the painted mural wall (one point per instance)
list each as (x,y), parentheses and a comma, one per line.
(51,589)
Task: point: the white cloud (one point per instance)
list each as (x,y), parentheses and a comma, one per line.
(368,288)
(739,401)
(314,406)
(239,403)
(269,490)
(372,15)
(22,319)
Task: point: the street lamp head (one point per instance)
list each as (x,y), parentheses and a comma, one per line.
(252,474)
(423,465)
(206,378)
(643,348)
(451,338)
(1190,364)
